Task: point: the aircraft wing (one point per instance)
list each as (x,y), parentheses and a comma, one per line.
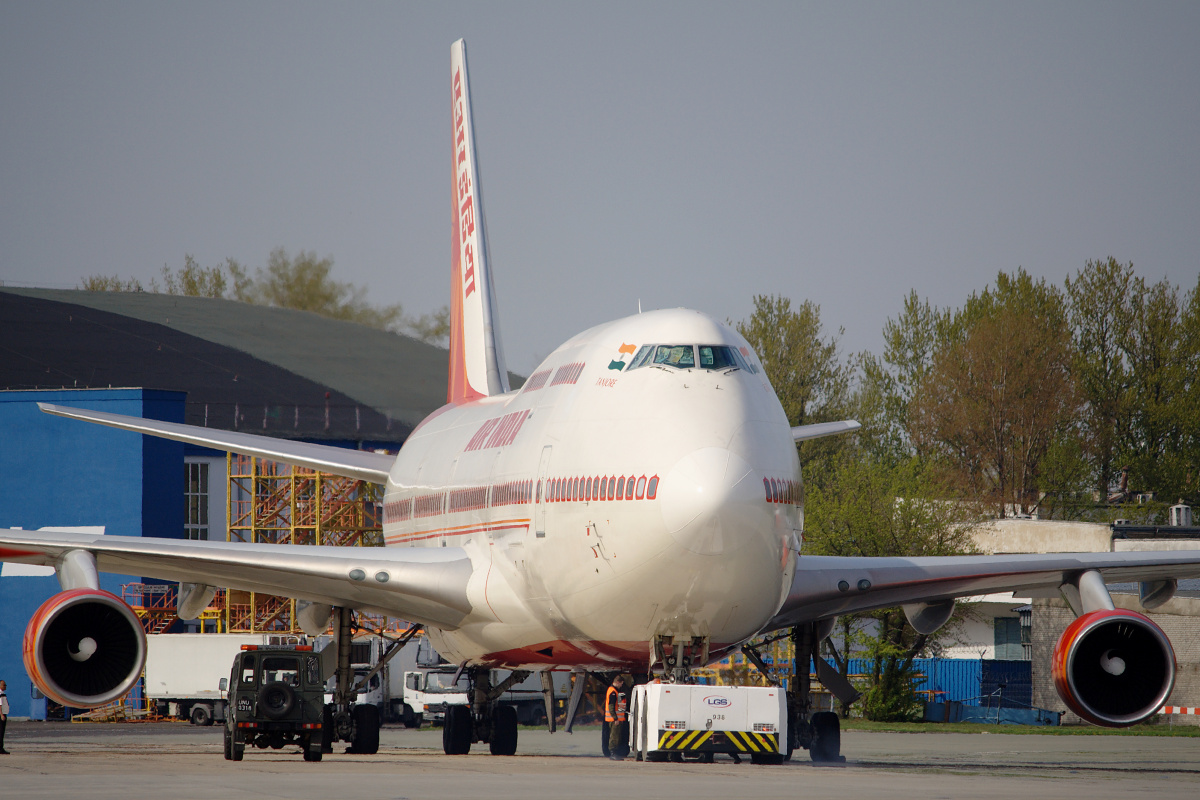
(802,433)
(825,586)
(427,585)
(358,464)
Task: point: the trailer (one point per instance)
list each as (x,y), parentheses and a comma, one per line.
(184,671)
(675,721)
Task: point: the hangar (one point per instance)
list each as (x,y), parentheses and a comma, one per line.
(210,362)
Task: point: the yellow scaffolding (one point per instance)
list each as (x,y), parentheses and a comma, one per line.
(276,503)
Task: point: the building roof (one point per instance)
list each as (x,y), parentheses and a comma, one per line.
(277,371)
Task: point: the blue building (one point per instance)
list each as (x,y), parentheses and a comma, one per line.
(64,474)
(211,362)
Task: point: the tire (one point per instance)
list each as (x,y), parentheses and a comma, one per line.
(456,731)
(201,715)
(237,748)
(504,731)
(769,759)
(228,744)
(327,732)
(366,730)
(827,738)
(604,731)
(276,700)
(312,748)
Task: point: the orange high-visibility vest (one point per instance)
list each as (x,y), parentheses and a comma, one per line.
(614,711)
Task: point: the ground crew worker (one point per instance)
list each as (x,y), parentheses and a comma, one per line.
(616,714)
(3,716)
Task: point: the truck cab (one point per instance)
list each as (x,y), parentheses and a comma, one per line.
(276,698)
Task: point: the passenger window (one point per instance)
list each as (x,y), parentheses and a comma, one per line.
(603,487)
(680,356)
(641,487)
(621,488)
(652,488)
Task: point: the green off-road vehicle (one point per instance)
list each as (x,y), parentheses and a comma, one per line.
(276,698)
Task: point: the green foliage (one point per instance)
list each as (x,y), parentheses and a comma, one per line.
(104,283)
(802,365)
(194,280)
(303,282)
(892,695)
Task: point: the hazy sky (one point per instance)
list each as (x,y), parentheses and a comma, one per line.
(684,154)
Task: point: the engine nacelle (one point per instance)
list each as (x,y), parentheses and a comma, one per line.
(1113,667)
(84,648)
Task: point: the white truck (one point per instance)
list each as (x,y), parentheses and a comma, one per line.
(184,670)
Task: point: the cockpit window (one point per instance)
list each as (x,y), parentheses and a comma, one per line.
(680,356)
(642,357)
(684,356)
(717,357)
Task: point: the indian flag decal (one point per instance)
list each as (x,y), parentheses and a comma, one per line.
(625,350)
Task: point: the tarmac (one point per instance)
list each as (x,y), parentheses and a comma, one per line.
(176,760)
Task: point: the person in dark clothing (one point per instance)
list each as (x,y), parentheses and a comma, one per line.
(616,714)
(3,715)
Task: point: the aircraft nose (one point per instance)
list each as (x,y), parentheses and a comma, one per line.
(710,500)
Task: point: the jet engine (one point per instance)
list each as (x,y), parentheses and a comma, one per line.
(1113,668)
(84,648)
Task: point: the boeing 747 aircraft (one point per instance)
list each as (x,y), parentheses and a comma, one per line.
(636,505)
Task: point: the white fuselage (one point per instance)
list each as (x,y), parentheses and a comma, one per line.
(573,568)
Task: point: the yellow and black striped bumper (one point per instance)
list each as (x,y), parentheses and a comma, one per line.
(718,741)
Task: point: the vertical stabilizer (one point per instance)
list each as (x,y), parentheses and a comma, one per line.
(476,360)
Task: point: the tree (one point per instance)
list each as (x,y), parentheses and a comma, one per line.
(194,280)
(870,508)
(889,384)
(1156,347)
(802,365)
(304,282)
(999,392)
(1099,313)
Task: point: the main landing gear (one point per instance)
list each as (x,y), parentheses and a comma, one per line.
(819,733)
(483,720)
(343,720)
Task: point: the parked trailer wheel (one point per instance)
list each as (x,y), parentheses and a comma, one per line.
(201,715)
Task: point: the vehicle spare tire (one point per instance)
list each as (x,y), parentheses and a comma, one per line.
(276,699)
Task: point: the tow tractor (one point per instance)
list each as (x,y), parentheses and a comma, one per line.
(675,719)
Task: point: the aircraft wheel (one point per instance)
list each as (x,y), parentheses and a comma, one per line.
(504,731)
(456,731)
(827,738)
(366,730)
(604,738)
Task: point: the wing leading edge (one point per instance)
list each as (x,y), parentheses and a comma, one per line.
(426,585)
(825,586)
(372,467)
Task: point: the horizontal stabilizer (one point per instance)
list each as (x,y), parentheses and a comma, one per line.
(358,464)
(802,433)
